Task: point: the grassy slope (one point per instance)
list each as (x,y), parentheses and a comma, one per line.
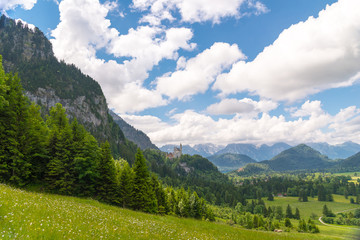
(27,215)
(314,206)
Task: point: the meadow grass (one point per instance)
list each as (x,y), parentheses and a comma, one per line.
(313,206)
(29,215)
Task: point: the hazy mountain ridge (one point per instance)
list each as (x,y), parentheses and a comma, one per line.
(339,151)
(133,134)
(230,161)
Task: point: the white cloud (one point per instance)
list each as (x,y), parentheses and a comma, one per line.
(190,127)
(195,75)
(196,10)
(309,109)
(244,107)
(308,57)
(84,29)
(12,4)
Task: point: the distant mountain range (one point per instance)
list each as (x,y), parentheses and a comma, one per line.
(227,162)
(339,151)
(301,157)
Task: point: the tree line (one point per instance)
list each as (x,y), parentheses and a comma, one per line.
(63,158)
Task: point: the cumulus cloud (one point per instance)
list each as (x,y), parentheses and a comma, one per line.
(84,29)
(197,10)
(195,75)
(309,108)
(190,127)
(244,107)
(12,4)
(308,57)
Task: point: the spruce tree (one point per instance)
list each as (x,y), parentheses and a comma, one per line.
(14,118)
(60,174)
(106,184)
(297,214)
(143,196)
(125,186)
(288,213)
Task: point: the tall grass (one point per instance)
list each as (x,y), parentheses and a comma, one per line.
(28,215)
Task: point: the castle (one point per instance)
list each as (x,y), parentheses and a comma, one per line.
(176,153)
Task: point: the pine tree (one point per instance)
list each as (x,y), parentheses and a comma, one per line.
(288,213)
(86,162)
(270,197)
(297,214)
(14,132)
(195,207)
(106,184)
(125,186)
(143,196)
(60,174)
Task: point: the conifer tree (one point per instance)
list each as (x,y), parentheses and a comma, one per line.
(288,213)
(60,169)
(125,186)
(297,214)
(14,165)
(143,196)
(106,185)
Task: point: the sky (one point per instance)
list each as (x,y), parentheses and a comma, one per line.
(215,71)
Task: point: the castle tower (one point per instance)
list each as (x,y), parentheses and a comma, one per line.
(180,149)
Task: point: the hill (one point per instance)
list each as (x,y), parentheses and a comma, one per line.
(351,162)
(28,215)
(264,152)
(299,157)
(134,135)
(186,149)
(48,81)
(229,161)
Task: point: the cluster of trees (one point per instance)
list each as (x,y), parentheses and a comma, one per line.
(64,158)
(344,218)
(256,215)
(203,177)
(302,186)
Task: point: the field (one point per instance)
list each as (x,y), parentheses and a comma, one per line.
(315,207)
(28,215)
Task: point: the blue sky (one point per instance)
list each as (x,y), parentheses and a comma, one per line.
(215,71)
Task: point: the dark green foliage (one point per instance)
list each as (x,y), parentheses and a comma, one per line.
(270,197)
(288,223)
(106,184)
(60,174)
(288,213)
(125,186)
(297,214)
(143,197)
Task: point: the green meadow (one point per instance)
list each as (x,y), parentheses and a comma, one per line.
(29,215)
(314,208)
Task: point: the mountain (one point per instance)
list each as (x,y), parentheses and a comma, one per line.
(186,149)
(230,161)
(351,162)
(47,81)
(264,152)
(340,151)
(299,157)
(134,135)
(207,149)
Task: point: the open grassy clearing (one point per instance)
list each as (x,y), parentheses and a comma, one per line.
(316,207)
(27,215)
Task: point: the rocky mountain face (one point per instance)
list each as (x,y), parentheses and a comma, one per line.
(133,134)
(47,81)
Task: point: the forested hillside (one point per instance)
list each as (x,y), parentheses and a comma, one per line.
(48,81)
